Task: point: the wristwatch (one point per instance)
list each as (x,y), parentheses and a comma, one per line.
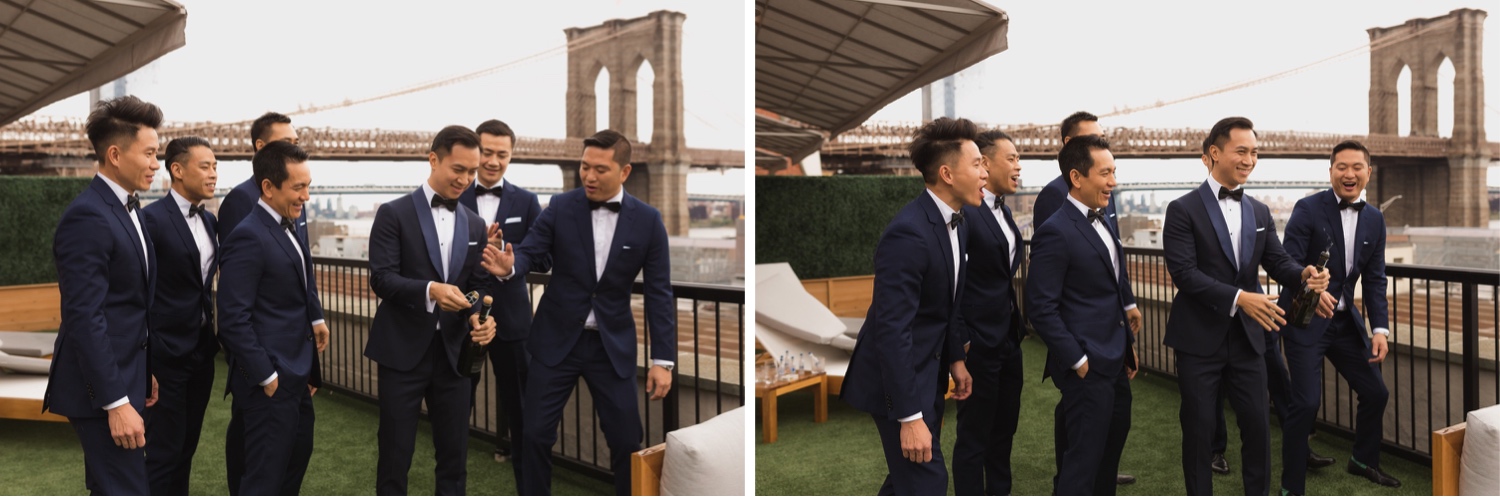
(668,367)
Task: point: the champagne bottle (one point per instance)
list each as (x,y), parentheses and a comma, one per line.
(1307,300)
(471,356)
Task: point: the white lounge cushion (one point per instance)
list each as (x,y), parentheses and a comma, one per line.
(1479,472)
(844,342)
(782,303)
(853,325)
(835,360)
(707,458)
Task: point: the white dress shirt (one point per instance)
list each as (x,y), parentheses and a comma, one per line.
(488,205)
(442,221)
(990,199)
(1350,220)
(1101,228)
(301,268)
(197,225)
(135,219)
(1231,209)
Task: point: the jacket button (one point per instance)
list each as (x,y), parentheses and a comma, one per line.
(309,337)
(143,345)
(1122,323)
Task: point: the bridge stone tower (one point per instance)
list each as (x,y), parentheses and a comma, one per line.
(659,176)
(1433,195)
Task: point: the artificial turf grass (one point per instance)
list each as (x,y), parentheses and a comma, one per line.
(44,458)
(843,456)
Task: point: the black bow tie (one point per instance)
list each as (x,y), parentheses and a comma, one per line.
(481,190)
(999,202)
(450,204)
(612,206)
(287,224)
(957,219)
(1357,206)
(1237,193)
(1096,215)
(196,210)
(132,202)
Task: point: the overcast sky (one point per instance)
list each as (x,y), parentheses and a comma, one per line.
(244,58)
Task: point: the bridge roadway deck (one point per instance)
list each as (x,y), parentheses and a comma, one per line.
(67,138)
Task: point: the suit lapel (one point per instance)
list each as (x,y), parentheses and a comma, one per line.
(460,249)
(1091,235)
(1015,262)
(993,228)
(1335,233)
(627,215)
(940,230)
(280,235)
(1247,234)
(211,225)
(585,222)
(1216,217)
(429,229)
(122,216)
(185,233)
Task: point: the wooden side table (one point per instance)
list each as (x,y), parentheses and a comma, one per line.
(766,395)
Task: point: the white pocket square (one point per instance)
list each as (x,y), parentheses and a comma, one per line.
(626,247)
(1260,229)
(516,219)
(471,244)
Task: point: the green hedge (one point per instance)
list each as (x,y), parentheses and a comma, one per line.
(29,210)
(827,226)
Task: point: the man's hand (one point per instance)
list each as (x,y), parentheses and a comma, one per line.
(498,262)
(963,384)
(1083,371)
(1378,348)
(1326,304)
(916,441)
(1130,372)
(448,297)
(320,336)
(126,427)
(658,382)
(481,333)
(494,234)
(1262,309)
(270,388)
(312,390)
(151,401)
(1134,317)
(1315,279)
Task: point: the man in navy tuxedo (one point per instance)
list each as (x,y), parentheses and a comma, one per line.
(599,238)
(1055,194)
(901,362)
(106,273)
(505,206)
(239,204)
(425,251)
(183,341)
(990,321)
(266,314)
(1075,298)
(1338,220)
(1214,239)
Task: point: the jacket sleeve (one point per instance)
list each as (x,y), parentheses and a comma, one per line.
(542,263)
(240,270)
(385,262)
(1044,284)
(898,282)
(661,307)
(81,247)
(1376,307)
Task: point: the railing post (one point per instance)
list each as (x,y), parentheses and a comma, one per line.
(1471,345)
(669,405)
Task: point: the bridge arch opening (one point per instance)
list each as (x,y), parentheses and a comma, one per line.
(1404,90)
(1445,80)
(645,77)
(602,99)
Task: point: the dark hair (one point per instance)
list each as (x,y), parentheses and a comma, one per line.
(119,119)
(1349,145)
(178,148)
(496,127)
(270,162)
(263,124)
(1070,125)
(987,140)
(453,135)
(1078,155)
(1220,132)
(611,140)
(938,140)
(1206,143)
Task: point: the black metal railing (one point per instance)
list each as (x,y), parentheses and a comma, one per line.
(705,383)
(1444,323)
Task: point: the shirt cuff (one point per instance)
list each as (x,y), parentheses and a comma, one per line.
(1080,362)
(1383,331)
(431,304)
(911,418)
(270,379)
(123,400)
(508,276)
(1234,306)
(659,362)
(318,322)
(1129,307)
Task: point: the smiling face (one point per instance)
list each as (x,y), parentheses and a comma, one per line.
(1349,174)
(1094,190)
(288,198)
(132,163)
(197,174)
(1004,168)
(1232,163)
(494,158)
(966,174)
(454,172)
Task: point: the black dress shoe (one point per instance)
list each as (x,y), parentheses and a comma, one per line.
(502,454)
(1372,473)
(1315,461)
(1219,464)
(1124,479)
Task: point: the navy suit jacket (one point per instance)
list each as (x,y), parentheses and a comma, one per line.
(239,203)
(404,258)
(1054,196)
(516,214)
(183,303)
(265,305)
(1075,298)
(898,363)
(1316,223)
(989,314)
(1203,267)
(101,351)
(565,232)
